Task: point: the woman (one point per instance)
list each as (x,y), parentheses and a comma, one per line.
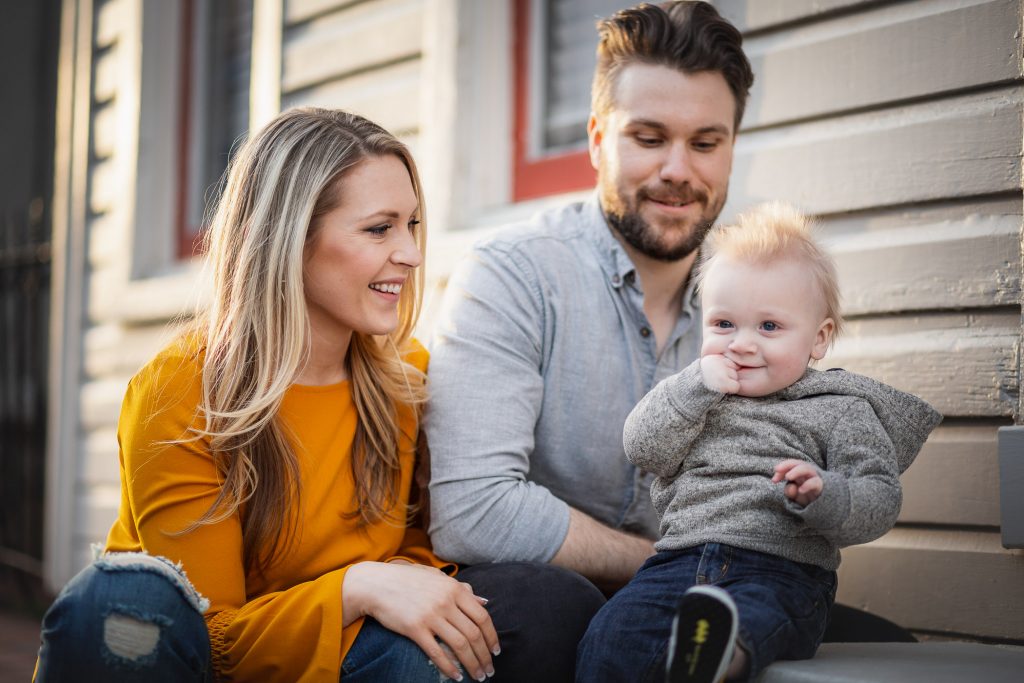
(270,449)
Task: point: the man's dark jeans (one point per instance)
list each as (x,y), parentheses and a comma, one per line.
(540,612)
(783,609)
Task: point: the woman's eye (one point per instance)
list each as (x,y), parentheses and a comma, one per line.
(769,326)
(379,230)
(412,224)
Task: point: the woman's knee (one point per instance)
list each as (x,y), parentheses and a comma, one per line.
(126,611)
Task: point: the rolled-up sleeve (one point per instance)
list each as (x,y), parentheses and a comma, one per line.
(486,391)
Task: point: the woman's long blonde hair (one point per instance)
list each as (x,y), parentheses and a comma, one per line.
(256,331)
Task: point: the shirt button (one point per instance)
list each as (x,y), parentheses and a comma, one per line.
(645,332)
(616,279)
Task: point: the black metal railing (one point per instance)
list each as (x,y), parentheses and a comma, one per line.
(24,321)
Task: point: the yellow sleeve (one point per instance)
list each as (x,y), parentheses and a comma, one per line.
(291,635)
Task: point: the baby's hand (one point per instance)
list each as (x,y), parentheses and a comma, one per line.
(719,374)
(803,481)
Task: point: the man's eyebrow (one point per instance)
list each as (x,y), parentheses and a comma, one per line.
(717,128)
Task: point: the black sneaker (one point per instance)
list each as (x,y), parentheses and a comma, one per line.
(703,636)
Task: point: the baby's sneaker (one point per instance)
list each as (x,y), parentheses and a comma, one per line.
(703,636)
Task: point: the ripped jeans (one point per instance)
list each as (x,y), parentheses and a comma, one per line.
(126,617)
(135,617)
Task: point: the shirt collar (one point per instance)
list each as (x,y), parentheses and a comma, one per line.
(614,260)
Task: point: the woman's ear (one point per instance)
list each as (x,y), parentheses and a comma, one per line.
(822,338)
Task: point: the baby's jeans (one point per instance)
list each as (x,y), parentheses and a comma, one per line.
(783,610)
(126,617)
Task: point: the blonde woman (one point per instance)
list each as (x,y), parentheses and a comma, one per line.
(269,451)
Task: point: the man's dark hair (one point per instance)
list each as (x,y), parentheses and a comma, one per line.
(688,36)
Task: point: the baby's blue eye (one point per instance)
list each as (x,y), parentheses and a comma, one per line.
(769,326)
(723,324)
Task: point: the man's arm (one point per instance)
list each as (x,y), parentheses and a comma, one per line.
(486,392)
(607,557)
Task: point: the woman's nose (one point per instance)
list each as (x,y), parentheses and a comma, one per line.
(407,252)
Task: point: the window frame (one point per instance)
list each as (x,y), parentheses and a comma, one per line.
(537,173)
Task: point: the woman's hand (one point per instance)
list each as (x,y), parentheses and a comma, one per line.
(423,604)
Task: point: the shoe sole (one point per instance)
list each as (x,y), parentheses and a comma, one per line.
(703,636)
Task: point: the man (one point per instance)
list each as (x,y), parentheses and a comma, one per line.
(552,331)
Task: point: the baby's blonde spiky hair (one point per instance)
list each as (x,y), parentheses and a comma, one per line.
(771,231)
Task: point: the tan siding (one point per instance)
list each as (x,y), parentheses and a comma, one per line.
(352,40)
(296,11)
(389,96)
(955,582)
(947,257)
(897,52)
(955,479)
(965,364)
(955,147)
(758,15)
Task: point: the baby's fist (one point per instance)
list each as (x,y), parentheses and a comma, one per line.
(720,374)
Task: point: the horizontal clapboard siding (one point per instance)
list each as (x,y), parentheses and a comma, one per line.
(361,57)
(955,479)
(895,52)
(950,148)
(953,582)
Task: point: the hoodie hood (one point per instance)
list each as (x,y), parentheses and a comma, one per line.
(907,419)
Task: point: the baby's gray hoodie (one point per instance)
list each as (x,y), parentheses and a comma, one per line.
(713,456)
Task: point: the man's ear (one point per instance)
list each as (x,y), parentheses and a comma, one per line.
(595,134)
(822,338)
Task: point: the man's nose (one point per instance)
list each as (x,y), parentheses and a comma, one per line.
(676,167)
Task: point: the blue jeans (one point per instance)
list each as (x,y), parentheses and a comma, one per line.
(783,609)
(126,617)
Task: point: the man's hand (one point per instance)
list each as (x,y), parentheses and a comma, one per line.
(803,481)
(720,374)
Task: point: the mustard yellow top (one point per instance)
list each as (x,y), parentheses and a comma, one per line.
(287,624)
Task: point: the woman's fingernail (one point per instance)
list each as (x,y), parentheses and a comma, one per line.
(483,600)
(496,651)
(490,672)
(458,676)
(481,677)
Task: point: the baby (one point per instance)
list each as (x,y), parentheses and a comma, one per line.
(764,468)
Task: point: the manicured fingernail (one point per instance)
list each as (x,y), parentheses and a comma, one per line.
(458,676)
(483,601)
(496,651)
(490,672)
(481,677)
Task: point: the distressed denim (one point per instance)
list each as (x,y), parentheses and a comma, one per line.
(126,617)
(783,609)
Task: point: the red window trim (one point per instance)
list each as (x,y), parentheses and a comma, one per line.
(547,175)
(189,237)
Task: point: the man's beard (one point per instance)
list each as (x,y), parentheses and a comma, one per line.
(645,238)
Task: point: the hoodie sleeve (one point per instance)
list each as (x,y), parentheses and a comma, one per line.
(661,428)
(861,497)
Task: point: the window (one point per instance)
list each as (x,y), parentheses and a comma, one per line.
(554,63)
(216,66)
